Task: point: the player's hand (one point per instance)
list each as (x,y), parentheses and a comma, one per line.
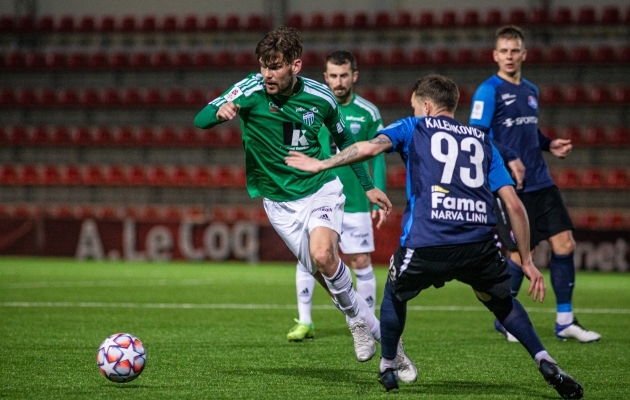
(537,286)
(303,162)
(560,147)
(518,172)
(382,217)
(227,111)
(376,196)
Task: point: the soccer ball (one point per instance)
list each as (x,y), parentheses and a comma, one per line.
(121,357)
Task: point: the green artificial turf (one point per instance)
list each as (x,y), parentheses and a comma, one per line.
(218,331)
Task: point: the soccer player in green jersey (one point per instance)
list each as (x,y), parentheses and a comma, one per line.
(357,237)
(280,111)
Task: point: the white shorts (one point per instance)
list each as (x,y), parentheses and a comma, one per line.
(294,220)
(357,235)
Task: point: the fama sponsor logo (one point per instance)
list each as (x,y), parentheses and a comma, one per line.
(456,208)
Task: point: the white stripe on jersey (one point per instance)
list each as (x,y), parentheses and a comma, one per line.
(253,89)
(248,86)
(369,107)
(319,90)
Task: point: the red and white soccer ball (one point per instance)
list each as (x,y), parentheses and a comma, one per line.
(121,357)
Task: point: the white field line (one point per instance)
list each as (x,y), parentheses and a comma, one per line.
(273,307)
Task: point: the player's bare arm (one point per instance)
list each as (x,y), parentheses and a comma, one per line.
(560,147)
(227,111)
(357,152)
(520,227)
(517,170)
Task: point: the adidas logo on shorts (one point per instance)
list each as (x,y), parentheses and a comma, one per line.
(324,216)
(364,243)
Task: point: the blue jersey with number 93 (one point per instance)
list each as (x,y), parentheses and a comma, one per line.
(452,171)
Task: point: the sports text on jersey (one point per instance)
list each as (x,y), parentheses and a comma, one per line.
(509,122)
(456,208)
(459,129)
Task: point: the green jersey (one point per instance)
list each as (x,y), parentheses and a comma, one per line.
(272,125)
(363,119)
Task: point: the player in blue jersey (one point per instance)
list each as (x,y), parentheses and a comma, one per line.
(506,107)
(452,173)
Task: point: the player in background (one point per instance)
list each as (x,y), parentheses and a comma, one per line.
(506,107)
(357,236)
(280,111)
(452,172)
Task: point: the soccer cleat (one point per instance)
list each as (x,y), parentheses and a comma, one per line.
(501,329)
(364,343)
(406,369)
(565,384)
(576,331)
(301,331)
(388,379)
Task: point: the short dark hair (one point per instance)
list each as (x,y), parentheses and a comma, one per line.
(282,44)
(509,32)
(439,89)
(341,57)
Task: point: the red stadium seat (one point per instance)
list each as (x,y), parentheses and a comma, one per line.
(221,176)
(518,16)
(17,136)
(223,59)
(161,59)
(441,56)
(557,55)
(124,136)
(169,24)
(494,17)
(60,136)
(540,16)
(232,23)
(69,98)
(71,175)
(449,19)
(102,136)
(81,136)
(152,97)
(139,60)
(7,24)
(97,60)
(189,136)
(51,175)
(617,178)
(317,22)
(600,95)
(594,136)
(605,54)
(90,98)
(619,136)
(39,136)
(108,24)
(111,98)
(145,136)
(374,58)
(576,95)
(87,24)
(360,21)
(115,175)
(136,176)
(338,21)
(29,175)
(580,55)
(8,98)
(180,176)
(573,133)
(211,23)
(403,20)
(128,24)
(166,136)
(369,94)
(563,16)
(191,24)
(131,97)
(15,60)
(27,98)
(93,176)
(56,60)
(397,57)
(427,19)
(27,24)
(172,214)
(586,16)
(8,175)
(611,15)
(391,97)
(622,95)
(48,98)
(535,55)
(201,176)
(613,220)
(551,95)
(470,18)
(202,59)
(383,20)
(175,97)
(77,60)
(195,97)
(256,23)
(591,178)
(148,24)
(567,178)
(118,60)
(182,60)
(464,57)
(158,175)
(245,59)
(486,56)
(397,176)
(587,220)
(35,60)
(295,21)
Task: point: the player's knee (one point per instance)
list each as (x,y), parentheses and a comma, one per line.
(360,261)
(323,259)
(500,307)
(563,243)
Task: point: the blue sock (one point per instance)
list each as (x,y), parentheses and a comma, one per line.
(516,277)
(393,316)
(520,326)
(562,272)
